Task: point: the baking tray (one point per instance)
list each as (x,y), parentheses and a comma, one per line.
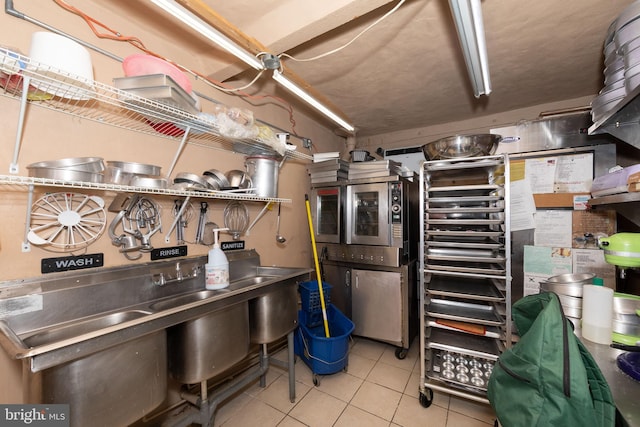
(459,210)
(464,200)
(467,163)
(466,267)
(464,235)
(459,342)
(482,314)
(165,95)
(464,371)
(464,190)
(145,81)
(490,331)
(460,253)
(460,222)
(481,243)
(483,289)
(465,255)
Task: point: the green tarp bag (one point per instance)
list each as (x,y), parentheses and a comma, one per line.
(548,378)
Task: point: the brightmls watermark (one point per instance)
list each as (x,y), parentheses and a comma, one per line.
(34,415)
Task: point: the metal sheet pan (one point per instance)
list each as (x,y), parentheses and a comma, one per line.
(465,258)
(482,243)
(464,235)
(462,343)
(461,222)
(459,210)
(446,165)
(464,190)
(467,199)
(491,331)
(482,314)
(464,267)
(456,253)
(482,289)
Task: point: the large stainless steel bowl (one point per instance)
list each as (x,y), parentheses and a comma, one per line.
(569,284)
(461,146)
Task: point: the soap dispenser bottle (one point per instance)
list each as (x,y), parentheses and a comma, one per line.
(217,268)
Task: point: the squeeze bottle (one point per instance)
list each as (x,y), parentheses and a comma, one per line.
(597,312)
(217,267)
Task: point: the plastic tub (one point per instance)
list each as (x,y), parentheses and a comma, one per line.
(60,58)
(310,295)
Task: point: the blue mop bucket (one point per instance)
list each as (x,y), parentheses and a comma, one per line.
(324,355)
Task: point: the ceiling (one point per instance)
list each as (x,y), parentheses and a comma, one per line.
(408,71)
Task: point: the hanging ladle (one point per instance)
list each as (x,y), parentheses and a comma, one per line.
(279,238)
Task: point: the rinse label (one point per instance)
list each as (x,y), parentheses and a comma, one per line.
(51,265)
(172,252)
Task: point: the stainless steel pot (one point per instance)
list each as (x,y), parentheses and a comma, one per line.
(263,171)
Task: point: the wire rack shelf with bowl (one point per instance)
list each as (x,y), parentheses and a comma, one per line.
(40,85)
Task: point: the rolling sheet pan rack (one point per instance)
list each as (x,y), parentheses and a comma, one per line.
(465,280)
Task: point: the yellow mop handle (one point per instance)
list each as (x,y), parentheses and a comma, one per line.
(315,259)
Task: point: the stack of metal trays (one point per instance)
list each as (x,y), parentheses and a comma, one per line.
(375,169)
(328,171)
(157,87)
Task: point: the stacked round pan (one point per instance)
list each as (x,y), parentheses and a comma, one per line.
(621,61)
(568,287)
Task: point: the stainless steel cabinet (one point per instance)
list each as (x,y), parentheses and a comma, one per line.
(465,280)
(377,304)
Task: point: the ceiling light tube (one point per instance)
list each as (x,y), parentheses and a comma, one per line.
(468,19)
(277,76)
(208,31)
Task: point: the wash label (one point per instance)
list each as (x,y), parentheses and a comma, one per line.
(52,265)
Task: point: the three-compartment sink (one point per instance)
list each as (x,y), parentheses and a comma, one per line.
(78,328)
(82,330)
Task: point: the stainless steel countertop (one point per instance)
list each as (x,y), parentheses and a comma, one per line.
(625,390)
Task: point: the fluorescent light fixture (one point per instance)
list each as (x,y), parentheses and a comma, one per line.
(277,76)
(209,32)
(468,18)
(226,43)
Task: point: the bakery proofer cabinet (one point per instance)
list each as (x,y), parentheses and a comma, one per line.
(465,280)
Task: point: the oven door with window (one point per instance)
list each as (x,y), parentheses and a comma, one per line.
(367,214)
(326,211)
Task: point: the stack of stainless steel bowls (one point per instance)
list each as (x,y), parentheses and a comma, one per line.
(568,287)
(626,318)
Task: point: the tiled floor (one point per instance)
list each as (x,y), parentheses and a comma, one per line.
(377,390)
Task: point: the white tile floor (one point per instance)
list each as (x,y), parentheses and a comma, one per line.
(377,390)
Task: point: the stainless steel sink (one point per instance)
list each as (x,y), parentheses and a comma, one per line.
(207,346)
(275,314)
(76,332)
(113,387)
(79,327)
(181,300)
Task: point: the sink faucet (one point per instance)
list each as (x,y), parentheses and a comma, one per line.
(179,275)
(167,275)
